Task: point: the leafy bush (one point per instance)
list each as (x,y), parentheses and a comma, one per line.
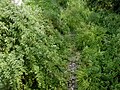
(33,55)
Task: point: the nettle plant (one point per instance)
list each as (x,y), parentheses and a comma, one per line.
(31,56)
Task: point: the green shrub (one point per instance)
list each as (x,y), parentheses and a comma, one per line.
(33,55)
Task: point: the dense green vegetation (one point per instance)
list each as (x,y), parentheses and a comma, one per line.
(97,39)
(111,5)
(33,54)
(37,39)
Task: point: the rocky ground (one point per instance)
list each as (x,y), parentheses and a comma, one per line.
(72,67)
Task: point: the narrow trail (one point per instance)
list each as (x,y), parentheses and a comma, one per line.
(73,65)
